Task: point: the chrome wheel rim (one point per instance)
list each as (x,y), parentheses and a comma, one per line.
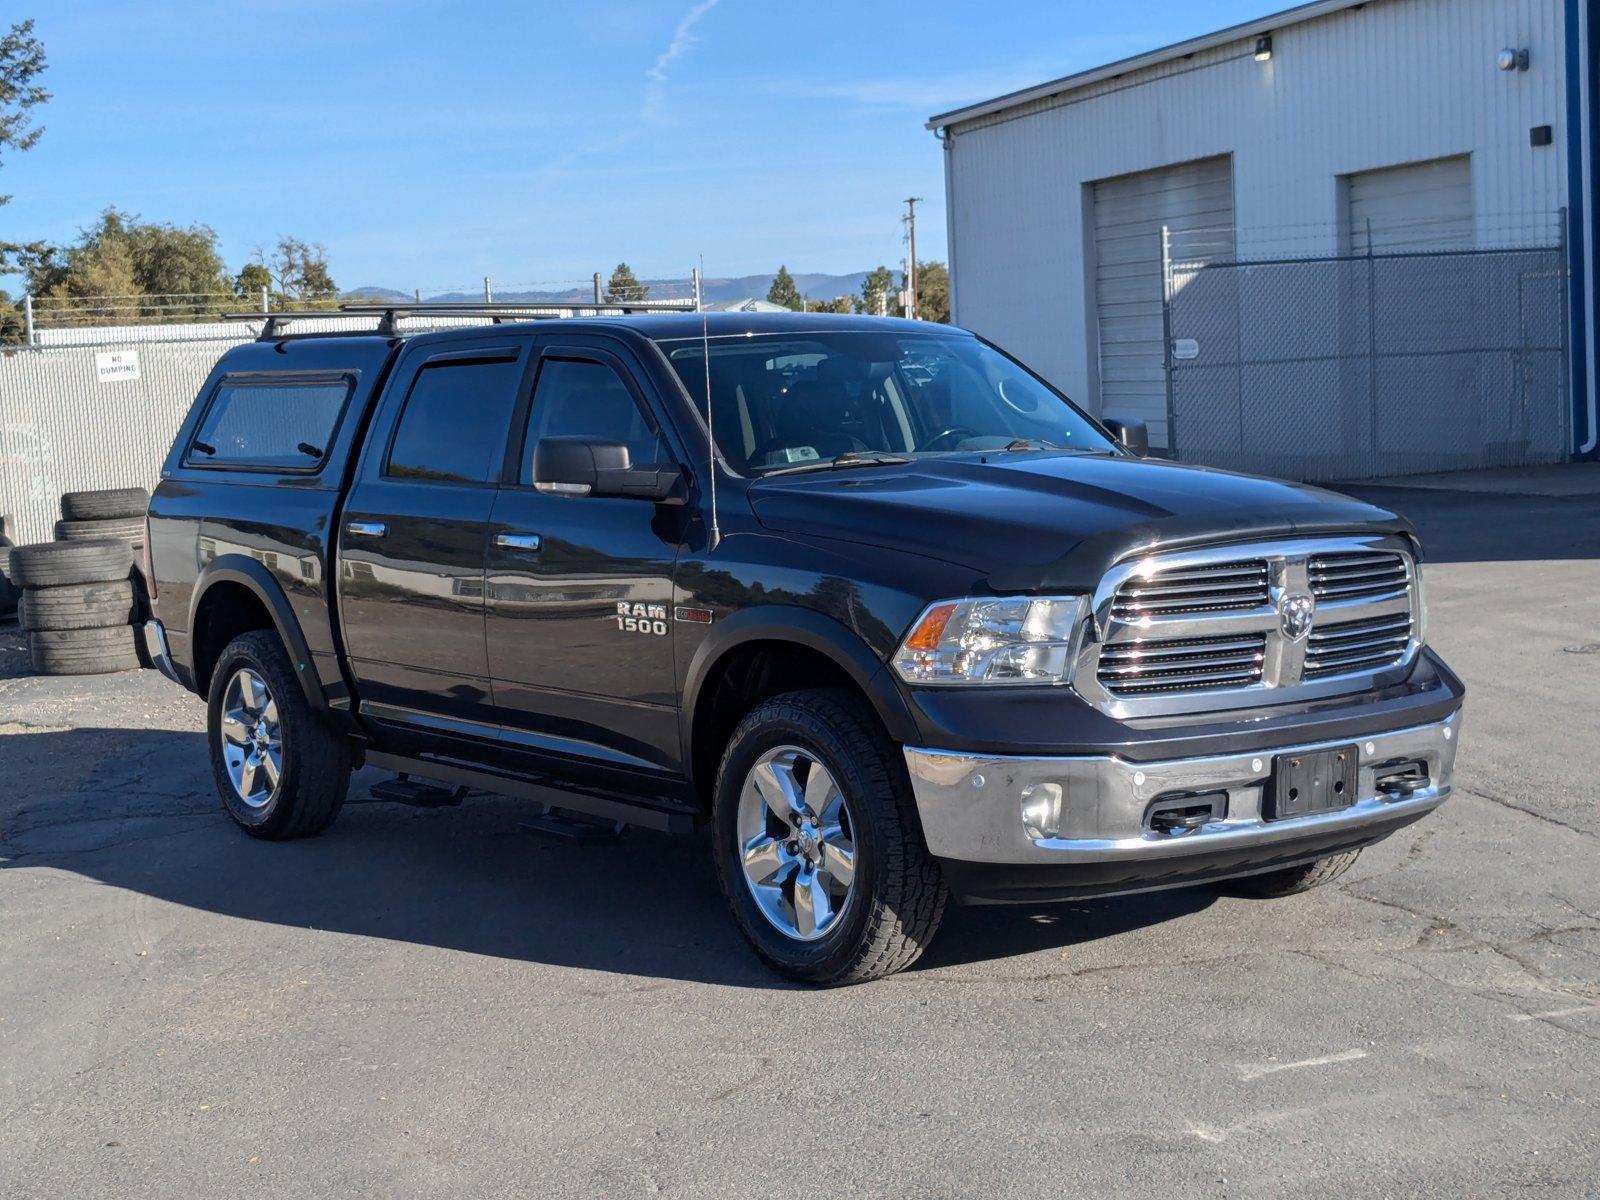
(251,738)
(796,843)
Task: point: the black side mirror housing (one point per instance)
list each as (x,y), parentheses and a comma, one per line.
(1129,431)
(580,466)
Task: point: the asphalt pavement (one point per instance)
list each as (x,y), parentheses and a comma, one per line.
(427,1002)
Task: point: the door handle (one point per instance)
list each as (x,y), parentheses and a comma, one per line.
(366,528)
(518,541)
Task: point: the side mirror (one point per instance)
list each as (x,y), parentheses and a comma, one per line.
(579,466)
(1130,432)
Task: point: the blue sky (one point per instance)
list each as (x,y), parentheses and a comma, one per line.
(429,144)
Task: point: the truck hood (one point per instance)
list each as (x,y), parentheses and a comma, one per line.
(1034,520)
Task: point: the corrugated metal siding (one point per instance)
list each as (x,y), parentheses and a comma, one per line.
(1420,206)
(1194,202)
(1398,81)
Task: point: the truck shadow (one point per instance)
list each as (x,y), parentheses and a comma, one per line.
(134,809)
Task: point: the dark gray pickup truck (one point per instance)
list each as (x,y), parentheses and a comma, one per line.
(908,625)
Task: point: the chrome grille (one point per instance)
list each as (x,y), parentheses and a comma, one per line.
(1356,575)
(1224,627)
(1188,591)
(1367,645)
(1181,664)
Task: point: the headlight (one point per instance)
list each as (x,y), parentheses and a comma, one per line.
(994,640)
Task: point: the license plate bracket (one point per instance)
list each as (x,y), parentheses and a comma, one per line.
(1319,781)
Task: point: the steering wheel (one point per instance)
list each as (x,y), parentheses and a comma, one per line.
(949,431)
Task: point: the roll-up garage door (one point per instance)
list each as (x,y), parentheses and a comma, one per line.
(1420,206)
(1194,201)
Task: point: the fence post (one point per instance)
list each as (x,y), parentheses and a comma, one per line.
(1564,341)
(1166,341)
(488,291)
(597,287)
(1372,356)
(27,318)
(266,299)
(695,275)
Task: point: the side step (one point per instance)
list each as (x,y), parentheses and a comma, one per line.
(468,778)
(406,790)
(573,827)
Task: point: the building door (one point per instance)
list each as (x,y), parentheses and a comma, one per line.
(1422,206)
(1194,202)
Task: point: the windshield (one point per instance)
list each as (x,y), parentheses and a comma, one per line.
(781,401)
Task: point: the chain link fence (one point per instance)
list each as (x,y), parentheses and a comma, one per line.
(1362,367)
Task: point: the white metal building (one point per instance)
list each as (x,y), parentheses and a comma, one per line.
(1335,128)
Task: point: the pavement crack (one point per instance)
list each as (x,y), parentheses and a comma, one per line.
(1528,812)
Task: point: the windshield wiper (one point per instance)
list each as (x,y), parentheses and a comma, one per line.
(848,459)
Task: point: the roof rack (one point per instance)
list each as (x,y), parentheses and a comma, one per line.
(389,314)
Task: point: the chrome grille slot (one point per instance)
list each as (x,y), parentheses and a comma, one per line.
(1365,645)
(1181,664)
(1357,575)
(1187,591)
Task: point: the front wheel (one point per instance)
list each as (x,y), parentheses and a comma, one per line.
(280,770)
(818,846)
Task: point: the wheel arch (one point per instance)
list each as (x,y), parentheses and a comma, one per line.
(217,581)
(800,638)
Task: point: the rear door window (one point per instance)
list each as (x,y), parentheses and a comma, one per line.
(455,423)
(271,423)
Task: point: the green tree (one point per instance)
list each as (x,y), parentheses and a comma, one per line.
(124,257)
(624,285)
(783,290)
(839,304)
(251,279)
(21,62)
(933,292)
(299,270)
(877,293)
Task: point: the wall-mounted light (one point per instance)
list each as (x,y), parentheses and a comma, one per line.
(1511,60)
(1264,48)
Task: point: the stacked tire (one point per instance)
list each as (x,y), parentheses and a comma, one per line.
(115,513)
(8,590)
(79,604)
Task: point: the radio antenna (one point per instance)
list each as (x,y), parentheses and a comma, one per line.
(711,436)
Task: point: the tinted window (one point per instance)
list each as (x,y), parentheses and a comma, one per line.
(267,423)
(781,401)
(455,422)
(588,399)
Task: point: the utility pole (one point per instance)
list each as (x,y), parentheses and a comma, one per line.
(911,262)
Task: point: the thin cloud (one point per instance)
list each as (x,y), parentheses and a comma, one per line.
(683,39)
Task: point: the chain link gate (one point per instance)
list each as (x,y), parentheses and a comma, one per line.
(1364,367)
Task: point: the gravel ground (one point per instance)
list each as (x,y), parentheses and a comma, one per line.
(425,1002)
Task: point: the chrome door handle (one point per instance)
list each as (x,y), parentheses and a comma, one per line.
(366,528)
(518,541)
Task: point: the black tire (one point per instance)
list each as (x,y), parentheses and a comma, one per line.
(56,564)
(83,651)
(8,591)
(898,895)
(1271,885)
(108,502)
(127,528)
(77,606)
(315,774)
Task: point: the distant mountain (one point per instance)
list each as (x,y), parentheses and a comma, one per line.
(813,286)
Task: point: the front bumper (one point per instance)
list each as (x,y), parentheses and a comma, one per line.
(971,810)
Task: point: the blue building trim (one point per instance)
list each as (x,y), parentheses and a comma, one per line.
(1583,221)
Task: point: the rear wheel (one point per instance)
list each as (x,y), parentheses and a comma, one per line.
(819,850)
(1270,885)
(280,770)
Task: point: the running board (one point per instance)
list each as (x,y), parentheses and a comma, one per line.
(603,807)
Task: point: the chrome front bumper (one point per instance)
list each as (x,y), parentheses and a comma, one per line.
(155,646)
(971,805)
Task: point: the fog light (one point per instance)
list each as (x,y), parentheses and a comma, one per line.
(1041,810)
